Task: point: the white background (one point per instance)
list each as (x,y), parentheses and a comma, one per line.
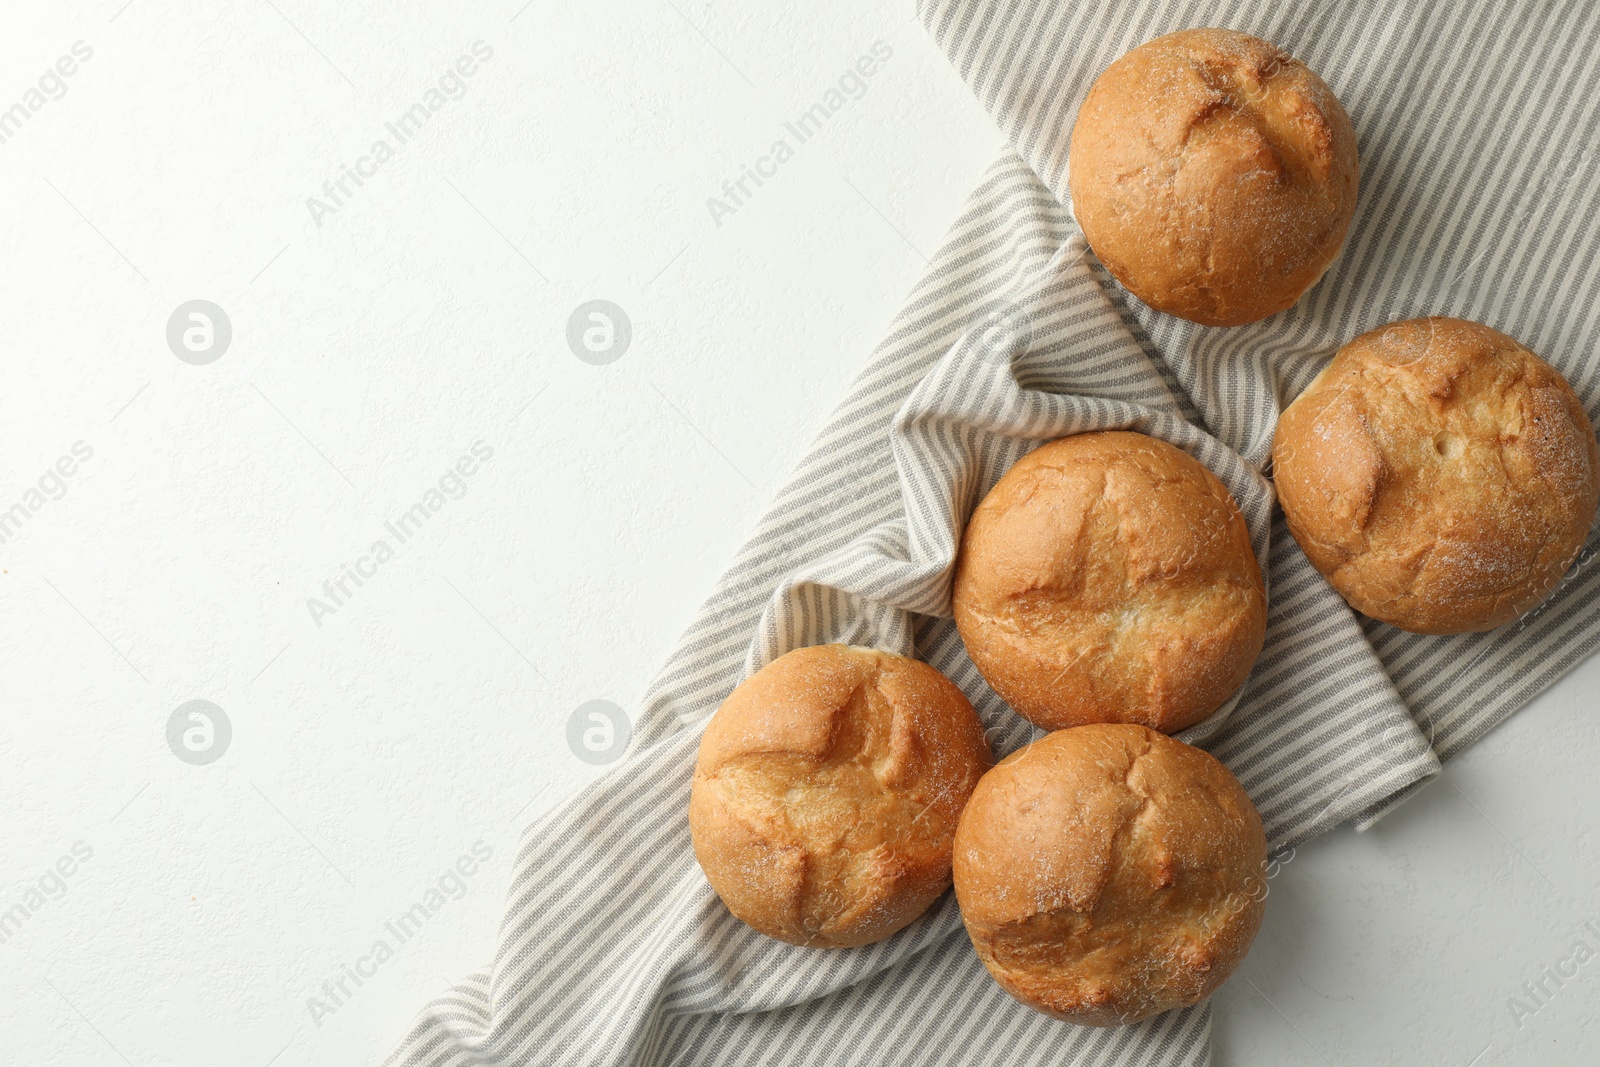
(369,352)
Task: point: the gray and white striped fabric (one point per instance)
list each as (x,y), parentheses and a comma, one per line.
(1478,200)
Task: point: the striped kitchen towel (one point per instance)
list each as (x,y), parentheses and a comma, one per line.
(1476,132)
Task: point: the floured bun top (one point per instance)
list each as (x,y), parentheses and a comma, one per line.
(1439,474)
(1108,873)
(827,791)
(1214,175)
(1108,577)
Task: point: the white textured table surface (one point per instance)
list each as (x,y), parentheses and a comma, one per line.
(399,347)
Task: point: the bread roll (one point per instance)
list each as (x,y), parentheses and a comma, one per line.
(827,791)
(1439,474)
(1214,175)
(1108,577)
(1107,873)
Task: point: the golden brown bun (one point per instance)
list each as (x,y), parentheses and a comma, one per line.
(1214,175)
(827,792)
(1108,577)
(1439,474)
(1107,873)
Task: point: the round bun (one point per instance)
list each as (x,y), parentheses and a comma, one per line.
(1439,474)
(1214,175)
(1107,873)
(826,795)
(1108,577)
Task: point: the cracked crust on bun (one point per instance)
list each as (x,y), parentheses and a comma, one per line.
(1108,577)
(1440,475)
(1214,175)
(1107,873)
(827,791)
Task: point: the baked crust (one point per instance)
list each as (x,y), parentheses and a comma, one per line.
(1107,873)
(1108,577)
(1214,175)
(1440,475)
(827,791)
